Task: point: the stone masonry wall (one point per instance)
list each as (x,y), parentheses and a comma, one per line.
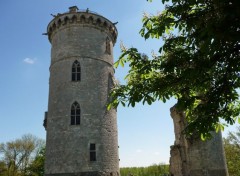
(67,148)
(194,157)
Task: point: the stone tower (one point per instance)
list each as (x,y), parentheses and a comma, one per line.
(82,137)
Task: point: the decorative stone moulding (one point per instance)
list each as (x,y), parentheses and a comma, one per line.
(84,18)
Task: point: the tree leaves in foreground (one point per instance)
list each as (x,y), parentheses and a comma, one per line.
(198,64)
(16,156)
(232,152)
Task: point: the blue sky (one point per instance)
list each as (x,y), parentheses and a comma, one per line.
(145,132)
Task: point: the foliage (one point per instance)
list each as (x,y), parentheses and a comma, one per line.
(3,169)
(36,168)
(232,152)
(198,64)
(154,170)
(18,154)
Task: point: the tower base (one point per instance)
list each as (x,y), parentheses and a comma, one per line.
(94,173)
(217,172)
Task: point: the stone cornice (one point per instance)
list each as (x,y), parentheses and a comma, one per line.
(84,18)
(81,58)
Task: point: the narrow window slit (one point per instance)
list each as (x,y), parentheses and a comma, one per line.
(93,152)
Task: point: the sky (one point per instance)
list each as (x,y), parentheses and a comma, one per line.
(145,132)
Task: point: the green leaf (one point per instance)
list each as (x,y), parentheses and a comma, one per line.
(121,62)
(123,104)
(116,64)
(218,127)
(203,137)
(149,101)
(109,106)
(164,99)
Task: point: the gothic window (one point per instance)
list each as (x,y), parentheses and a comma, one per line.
(76,71)
(110,86)
(110,82)
(108,48)
(75,114)
(93,152)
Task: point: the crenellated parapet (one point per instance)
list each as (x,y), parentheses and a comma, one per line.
(84,18)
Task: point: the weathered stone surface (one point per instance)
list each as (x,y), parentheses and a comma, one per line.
(178,152)
(86,174)
(81,36)
(194,157)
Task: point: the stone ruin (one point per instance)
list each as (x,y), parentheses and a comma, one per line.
(192,156)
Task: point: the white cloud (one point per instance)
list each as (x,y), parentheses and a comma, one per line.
(29,60)
(139,151)
(157,153)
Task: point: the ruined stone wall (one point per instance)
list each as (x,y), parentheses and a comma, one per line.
(207,158)
(179,157)
(194,157)
(82,37)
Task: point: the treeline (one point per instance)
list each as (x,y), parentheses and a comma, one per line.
(154,170)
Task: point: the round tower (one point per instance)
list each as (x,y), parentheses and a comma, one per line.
(82,134)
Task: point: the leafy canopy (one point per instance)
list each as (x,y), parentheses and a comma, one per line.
(198,64)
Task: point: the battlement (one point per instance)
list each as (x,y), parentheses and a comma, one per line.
(81,17)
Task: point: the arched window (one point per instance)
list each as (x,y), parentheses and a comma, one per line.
(76,71)
(75,114)
(110,82)
(108,48)
(109,87)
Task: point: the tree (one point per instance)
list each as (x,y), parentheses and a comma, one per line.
(232,152)
(18,154)
(198,64)
(36,168)
(3,169)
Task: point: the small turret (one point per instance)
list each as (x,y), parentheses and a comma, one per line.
(73,9)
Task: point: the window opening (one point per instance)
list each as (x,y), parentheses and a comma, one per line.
(109,87)
(76,71)
(93,152)
(108,49)
(75,114)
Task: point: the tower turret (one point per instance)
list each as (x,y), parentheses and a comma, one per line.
(81,133)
